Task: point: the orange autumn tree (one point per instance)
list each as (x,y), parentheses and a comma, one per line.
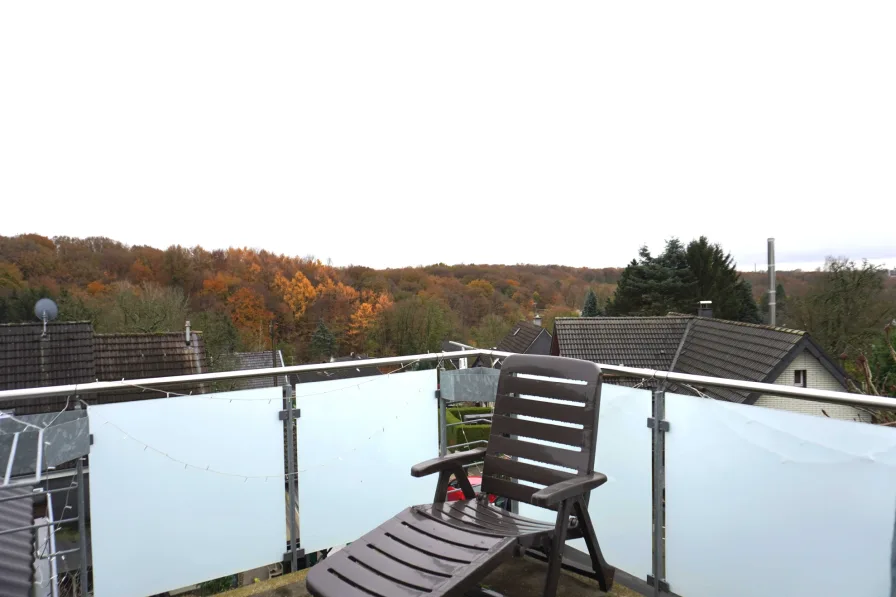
(249,316)
(297,293)
(96,287)
(335,304)
(140,272)
(364,318)
(219,286)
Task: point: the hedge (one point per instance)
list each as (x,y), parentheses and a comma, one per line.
(461,411)
(461,434)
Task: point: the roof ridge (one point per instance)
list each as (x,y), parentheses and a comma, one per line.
(761,326)
(684,337)
(629,317)
(144,334)
(674,315)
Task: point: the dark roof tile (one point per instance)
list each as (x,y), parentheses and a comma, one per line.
(711,347)
(136,356)
(330,374)
(520,338)
(72,354)
(720,348)
(646,342)
(27,360)
(245,361)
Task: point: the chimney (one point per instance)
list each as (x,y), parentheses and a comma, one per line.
(772,286)
(704,309)
(537,320)
(188,337)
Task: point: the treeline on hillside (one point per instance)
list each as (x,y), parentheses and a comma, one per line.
(319,311)
(232,295)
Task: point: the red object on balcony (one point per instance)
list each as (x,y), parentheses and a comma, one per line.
(455,493)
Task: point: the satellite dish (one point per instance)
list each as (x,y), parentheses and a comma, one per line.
(46,310)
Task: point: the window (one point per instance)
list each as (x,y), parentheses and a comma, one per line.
(799,378)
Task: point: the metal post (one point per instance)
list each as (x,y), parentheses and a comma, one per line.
(51,536)
(443,427)
(12,457)
(38,465)
(82,529)
(659,485)
(273,351)
(772,285)
(291,477)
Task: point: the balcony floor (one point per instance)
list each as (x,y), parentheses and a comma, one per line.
(520,577)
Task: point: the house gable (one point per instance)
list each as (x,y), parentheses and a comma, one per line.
(818,376)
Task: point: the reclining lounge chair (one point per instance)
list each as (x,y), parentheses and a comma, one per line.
(446,548)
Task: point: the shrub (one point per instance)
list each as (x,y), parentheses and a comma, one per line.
(461,434)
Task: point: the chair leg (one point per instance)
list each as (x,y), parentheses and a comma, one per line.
(555,557)
(442,487)
(604,571)
(462,481)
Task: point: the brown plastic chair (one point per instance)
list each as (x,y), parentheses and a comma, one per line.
(446,548)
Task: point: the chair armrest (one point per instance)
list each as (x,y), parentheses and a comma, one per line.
(437,465)
(556,493)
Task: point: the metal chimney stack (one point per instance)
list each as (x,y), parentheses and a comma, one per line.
(772,286)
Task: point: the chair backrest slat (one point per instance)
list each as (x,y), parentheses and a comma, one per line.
(542,409)
(537,452)
(537,430)
(539,387)
(525,472)
(510,489)
(541,423)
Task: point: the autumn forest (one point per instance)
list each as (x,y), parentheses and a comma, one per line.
(318,310)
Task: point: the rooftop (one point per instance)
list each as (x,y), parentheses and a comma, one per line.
(342,373)
(71,353)
(245,361)
(521,337)
(688,344)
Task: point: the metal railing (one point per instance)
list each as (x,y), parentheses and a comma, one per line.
(657,579)
(829,396)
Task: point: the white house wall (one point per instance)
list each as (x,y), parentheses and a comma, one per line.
(818,378)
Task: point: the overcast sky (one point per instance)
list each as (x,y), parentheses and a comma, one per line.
(390,133)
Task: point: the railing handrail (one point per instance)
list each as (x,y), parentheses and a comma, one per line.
(829,396)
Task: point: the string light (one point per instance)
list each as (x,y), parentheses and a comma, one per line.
(5,415)
(695,390)
(224,396)
(245,477)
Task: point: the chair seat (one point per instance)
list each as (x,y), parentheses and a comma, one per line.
(437,549)
(478,517)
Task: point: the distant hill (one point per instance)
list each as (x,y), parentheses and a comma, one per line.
(233,294)
(240,290)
